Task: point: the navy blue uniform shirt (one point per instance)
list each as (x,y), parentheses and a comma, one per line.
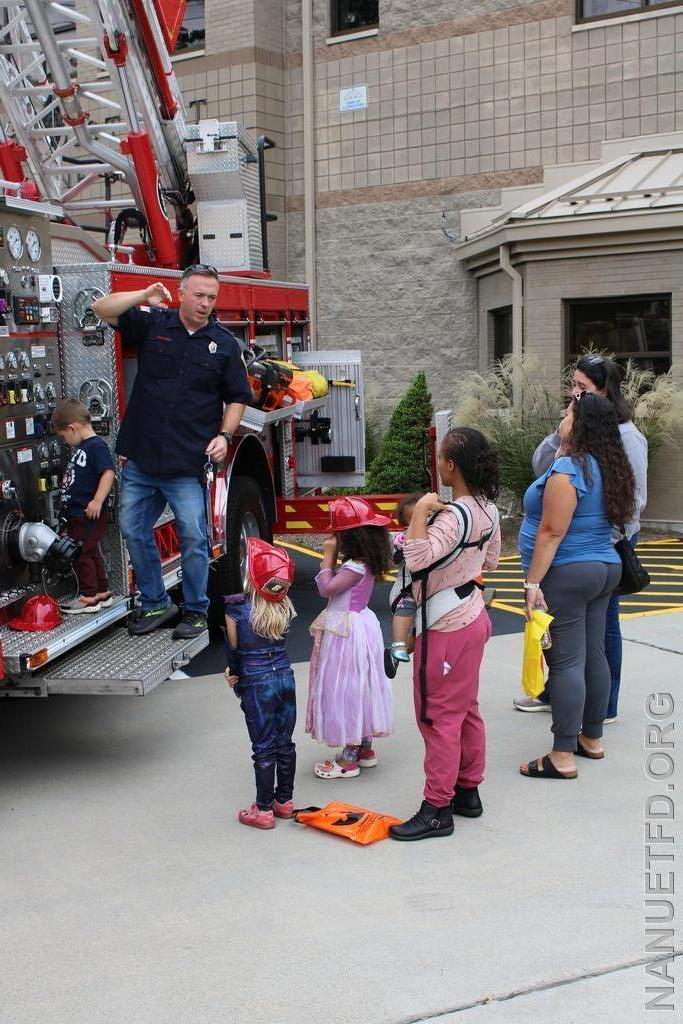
(182,382)
(82,476)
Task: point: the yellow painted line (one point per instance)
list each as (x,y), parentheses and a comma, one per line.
(297,547)
(656,543)
(506,607)
(658,611)
(649,604)
(296,524)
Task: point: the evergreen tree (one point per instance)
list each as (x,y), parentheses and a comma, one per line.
(399,466)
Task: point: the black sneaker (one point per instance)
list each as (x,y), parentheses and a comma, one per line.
(191,625)
(142,622)
(428,822)
(467,802)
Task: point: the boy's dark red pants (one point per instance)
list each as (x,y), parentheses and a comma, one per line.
(92,575)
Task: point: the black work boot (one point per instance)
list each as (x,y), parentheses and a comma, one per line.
(390,663)
(429,821)
(467,802)
(191,625)
(142,622)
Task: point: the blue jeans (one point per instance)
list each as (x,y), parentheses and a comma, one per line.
(613,646)
(268,699)
(143,499)
(613,650)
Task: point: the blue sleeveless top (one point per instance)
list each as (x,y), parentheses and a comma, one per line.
(254,651)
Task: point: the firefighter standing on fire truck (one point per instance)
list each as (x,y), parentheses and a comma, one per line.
(188,366)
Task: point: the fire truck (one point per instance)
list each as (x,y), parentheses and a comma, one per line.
(93,130)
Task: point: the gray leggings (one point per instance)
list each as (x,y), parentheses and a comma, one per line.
(577,595)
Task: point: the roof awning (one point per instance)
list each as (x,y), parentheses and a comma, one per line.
(634,192)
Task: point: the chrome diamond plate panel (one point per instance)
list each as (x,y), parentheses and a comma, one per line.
(120,663)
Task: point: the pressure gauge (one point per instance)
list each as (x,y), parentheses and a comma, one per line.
(15,243)
(83,303)
(33,246)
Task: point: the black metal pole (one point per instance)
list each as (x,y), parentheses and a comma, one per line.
(264,143)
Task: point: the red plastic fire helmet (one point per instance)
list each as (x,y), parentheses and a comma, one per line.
(39,614)
(270,569)
(347,513)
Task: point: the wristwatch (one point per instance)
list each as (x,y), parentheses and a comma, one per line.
(226,435)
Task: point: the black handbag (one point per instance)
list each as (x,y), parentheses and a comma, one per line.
(634,575)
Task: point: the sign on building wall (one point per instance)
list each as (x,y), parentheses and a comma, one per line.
(355,98)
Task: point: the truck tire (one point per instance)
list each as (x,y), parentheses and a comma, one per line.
(245,517)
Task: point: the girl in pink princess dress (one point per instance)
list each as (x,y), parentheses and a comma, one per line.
(349,698)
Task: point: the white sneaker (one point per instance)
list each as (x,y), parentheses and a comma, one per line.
(608,721)
(80,605)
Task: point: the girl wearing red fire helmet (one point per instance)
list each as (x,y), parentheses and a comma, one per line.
(260,674)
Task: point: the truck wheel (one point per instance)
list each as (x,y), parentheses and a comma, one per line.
(245,517)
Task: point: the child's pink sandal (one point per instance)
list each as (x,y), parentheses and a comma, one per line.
(334,770)
(257,818)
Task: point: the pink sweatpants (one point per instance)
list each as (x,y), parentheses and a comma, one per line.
(455,742)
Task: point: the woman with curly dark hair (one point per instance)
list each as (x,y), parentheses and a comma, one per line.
(446,548)
(349,698)
(571,570)
(602,376)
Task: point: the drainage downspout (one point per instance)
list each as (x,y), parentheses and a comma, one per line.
(517,320)
(309,161)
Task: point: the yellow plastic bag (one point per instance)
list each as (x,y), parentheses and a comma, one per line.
(533,681)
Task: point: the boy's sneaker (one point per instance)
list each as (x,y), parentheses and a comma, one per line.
(191,625)
(367,758)
(285,810)
(390,663)
(80,605)
(106,599)
(257,818)
(143,622)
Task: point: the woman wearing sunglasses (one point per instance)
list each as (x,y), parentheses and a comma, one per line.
(600,376)
(571,570)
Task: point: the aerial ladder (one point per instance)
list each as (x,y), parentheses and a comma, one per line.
(116,63)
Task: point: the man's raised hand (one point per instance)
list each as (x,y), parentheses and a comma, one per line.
(158,295)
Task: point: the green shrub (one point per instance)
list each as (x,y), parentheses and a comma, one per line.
(399,465)
(485,401)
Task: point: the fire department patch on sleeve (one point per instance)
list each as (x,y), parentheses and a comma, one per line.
(213,347)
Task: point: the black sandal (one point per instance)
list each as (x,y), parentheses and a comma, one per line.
(549,770)
(581,751)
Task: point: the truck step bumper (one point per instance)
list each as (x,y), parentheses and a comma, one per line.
(118,663)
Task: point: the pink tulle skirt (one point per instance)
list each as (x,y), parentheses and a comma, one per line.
(349,696)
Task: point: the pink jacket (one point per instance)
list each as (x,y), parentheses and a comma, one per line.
(443,535)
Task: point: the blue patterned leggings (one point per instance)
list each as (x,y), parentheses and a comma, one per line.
(268,700)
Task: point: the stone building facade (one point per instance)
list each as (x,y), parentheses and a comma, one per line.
(464,100)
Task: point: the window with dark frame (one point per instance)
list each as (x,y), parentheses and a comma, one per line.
(593,10)
(637,328)
(501,323)
(192,35)
(353,16)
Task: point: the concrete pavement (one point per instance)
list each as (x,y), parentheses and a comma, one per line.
(131,895)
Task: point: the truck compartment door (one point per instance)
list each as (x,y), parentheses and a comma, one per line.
(331,440)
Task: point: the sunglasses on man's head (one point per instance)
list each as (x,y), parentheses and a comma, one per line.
(200,268)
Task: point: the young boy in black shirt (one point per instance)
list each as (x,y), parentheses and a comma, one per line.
(87,482)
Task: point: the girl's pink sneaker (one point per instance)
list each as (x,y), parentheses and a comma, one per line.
(257,818)
(285,810)
(367,758)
